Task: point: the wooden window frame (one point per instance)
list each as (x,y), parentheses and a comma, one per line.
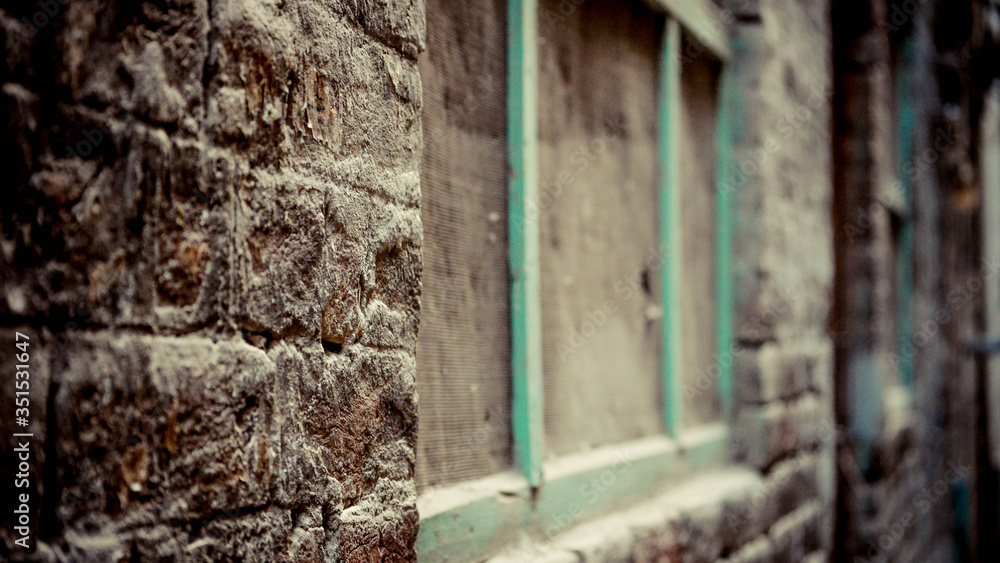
(905,128)
(470,520)
(896,406)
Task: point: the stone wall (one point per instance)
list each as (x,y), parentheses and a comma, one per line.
(783,264)
(908,480)
(212,238)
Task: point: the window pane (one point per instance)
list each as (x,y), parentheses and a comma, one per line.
(463,353)
(599,222)
(697,116)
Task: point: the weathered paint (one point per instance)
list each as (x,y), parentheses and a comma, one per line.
(705,21)
(598,491)
(906,122)
(483,525)
(723,212)
(526,325)
(961,506)
(670,240)
(866,409)
(670,236)
(471,530)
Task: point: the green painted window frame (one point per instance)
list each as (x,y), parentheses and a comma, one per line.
(670,230)
(905,129)
(470,520)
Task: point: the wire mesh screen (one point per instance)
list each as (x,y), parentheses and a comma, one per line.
(463,352)
(700,364)
(599,222)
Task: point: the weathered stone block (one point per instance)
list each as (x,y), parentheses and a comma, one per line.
(755,374)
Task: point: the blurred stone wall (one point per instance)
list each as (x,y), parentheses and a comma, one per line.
(914,483)
(211,235)
(880,466)
(783,265)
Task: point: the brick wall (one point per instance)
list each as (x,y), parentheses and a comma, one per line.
(212,238)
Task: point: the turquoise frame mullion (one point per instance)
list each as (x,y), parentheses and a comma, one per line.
(723,218)
(669,104)
(906,120)
(670,235)
(525,298)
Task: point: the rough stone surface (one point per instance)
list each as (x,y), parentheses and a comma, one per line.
(213,240)
(901,440)
(783,262)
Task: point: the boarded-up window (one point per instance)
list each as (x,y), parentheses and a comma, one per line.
(700,364)
(599,222)
(463,352)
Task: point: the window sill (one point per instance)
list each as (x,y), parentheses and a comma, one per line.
(706,517)
(470,521)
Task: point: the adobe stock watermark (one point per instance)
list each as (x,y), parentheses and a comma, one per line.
(49,9)
(707,378)
(588,494)
(921,504)
(25,450)
(91,139)
(900,13)
(597,317)
(580,160)
(793,121)
(826,433)
(959,296)
(915,168)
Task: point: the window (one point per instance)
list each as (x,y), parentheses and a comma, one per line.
(463,376)
(598,216)
(576,283)
(903,53)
